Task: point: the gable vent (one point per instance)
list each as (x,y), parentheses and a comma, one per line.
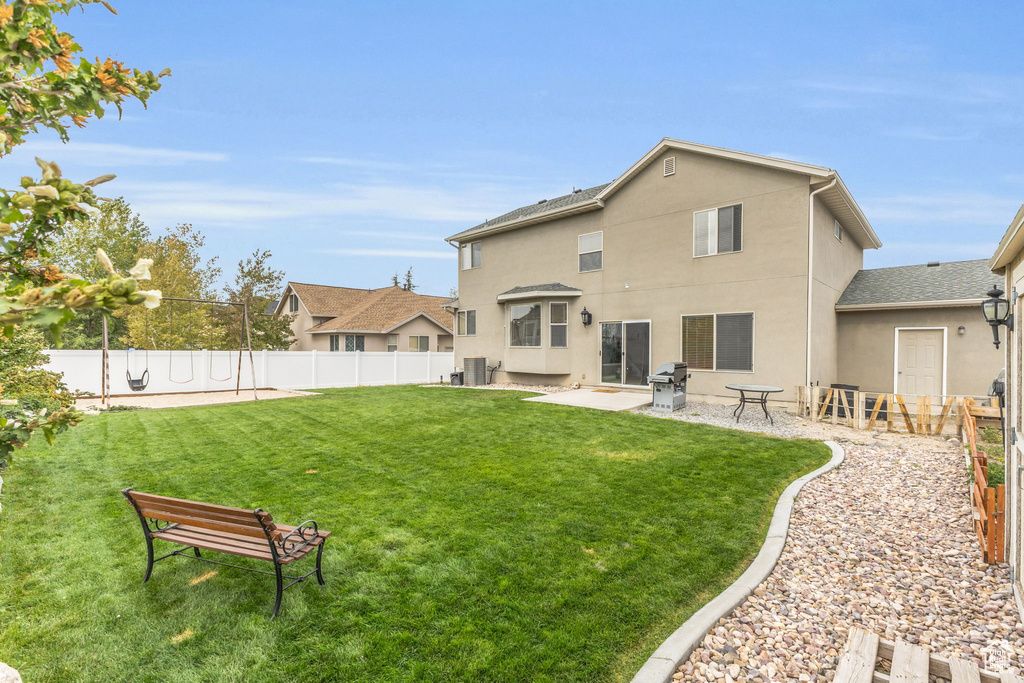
(670,166)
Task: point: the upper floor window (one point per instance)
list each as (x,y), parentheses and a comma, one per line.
(838,231)
(293,303)
(591,251)
(719,341)
(471,255)
(355,342)
(392,342)
(524,325)
(558,314)
(718,231)
(466,326)
(419,343)
(335,345)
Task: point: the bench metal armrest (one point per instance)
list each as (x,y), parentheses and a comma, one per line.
(299,538)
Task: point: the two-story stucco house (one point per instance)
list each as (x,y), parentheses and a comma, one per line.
(346,319)
(732,262)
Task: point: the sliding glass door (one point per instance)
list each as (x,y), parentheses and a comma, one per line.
(625,353)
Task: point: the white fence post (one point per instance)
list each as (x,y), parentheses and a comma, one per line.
(359,361)
(204,365)
(396,366)
(263,367)
(313,367)
(428,367)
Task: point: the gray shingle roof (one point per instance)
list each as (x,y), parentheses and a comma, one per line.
(530,209)
(547,287)
(945,282)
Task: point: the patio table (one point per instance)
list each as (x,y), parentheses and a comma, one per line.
(762,389)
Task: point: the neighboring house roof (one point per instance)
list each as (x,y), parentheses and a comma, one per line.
(321,300)
(1011,244)
(958,283)
(834,194)
(272,307)
(382,310)
(547,289)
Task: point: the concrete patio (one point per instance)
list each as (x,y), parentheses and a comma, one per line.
(598,399)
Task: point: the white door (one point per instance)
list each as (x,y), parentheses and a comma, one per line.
(919,362)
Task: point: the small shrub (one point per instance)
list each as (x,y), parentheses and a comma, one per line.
(123,409)
(991,434)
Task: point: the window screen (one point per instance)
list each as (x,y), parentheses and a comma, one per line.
(472,254)
(591,251)
(334,342)
(734,341)
(419,343)
(698,342)
(559,312)
(730,229)
(718,231)
(466,323)
(293,303)
(392,342)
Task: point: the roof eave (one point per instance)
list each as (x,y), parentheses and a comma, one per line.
(867,237)
(885,306)
(540,293)
(1011,243)
(421,314)
(582,207)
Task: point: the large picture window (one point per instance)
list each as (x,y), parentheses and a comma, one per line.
(591,251)
(524,325)
(471,255)
(558,312)
(354,342)
(466,323)
(419,343)
(721,341)
(718,231)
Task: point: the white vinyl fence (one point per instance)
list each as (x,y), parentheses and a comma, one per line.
(185,371)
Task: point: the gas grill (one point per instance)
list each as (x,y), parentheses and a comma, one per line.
(669,385)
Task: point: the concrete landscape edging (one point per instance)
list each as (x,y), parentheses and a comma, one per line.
(660,667)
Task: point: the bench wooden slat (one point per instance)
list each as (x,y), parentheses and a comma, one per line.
(909,663)
(237,529)
(181,502)
(963,671)
(244,520)
(186,539)
(858,662)
(244,542)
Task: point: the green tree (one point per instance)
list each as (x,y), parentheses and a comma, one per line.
(407,284)
(256,284)
(122,235)
(41,85)
(179,272)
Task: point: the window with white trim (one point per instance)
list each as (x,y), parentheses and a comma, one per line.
(558,322)
(591,251)
(419,343)
(838,231)
(719,341)
(718,231)
(335,342)
(466,326)
(293,303)
(524,325)
(472,254)
(355,342)
(392,343)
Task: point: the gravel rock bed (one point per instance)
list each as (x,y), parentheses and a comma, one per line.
(885,543)
(719,415)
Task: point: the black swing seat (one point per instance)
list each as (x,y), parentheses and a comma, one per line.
(137,384)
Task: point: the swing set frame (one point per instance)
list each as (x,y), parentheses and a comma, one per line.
(244,345)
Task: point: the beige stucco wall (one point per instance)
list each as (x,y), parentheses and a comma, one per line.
(650,273)
(867,347)
(834,265)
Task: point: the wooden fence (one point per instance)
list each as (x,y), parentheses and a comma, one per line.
(892,412)
(989,502)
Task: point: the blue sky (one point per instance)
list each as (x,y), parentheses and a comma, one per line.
(350,138)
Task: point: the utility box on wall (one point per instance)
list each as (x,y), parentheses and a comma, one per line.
(476,371)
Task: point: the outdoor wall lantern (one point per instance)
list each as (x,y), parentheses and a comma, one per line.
(997,312)
(589,318)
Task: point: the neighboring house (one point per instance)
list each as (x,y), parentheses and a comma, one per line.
(1008,262)
(918,330)
(732,262)
(345,319)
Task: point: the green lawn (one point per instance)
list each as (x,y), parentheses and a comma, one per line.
(477,537)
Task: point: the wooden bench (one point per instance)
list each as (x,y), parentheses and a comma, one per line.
(235,531)
(909,664)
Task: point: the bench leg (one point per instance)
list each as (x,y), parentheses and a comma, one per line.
(196,551)
(319,552)
(280,590)
(149,559)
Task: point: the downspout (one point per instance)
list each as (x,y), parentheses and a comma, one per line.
(810,271)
